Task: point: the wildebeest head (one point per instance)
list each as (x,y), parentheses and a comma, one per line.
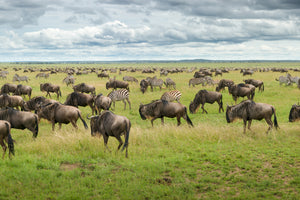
(149,110)
(229,114)
(294,113)
(142,111)
(93,124)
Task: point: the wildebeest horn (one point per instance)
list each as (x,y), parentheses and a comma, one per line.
(87,116)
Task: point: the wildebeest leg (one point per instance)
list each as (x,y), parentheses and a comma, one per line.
(203,109)
(73,123)
(153,120)
(53,125)
(120,141)
(114,103)
(270,123)
(4,147)
(178,121)
(124,104)
(162,121)
(245,124)
(105,138)
(249,124)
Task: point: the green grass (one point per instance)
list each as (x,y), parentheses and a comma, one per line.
(213,160)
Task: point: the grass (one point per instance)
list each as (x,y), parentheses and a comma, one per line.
(213,160)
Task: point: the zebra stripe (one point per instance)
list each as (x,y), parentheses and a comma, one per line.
(174,95)
(120,95)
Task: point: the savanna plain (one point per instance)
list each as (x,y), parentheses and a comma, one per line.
(212,160)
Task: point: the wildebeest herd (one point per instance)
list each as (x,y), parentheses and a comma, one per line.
(20,114)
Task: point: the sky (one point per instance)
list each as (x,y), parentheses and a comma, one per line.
(114,30)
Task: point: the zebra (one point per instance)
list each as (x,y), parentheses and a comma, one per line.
(120,95)
(18,78)
(170,83)
(171,96)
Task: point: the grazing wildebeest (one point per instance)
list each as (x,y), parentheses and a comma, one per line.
(23,90)
(294,113)
(112,83)
(247,72)
(102,102)
(109,124)
(241,90)
(49,87)
(42,75)
(224,83)
(197,81)
(154,82)
(169,83)
(257,83)
(82,87)
(8,88)
(11,101)
(249,110)
(103,75)
(130,79)
(174,95)
(80,99)
(21,120)
(120,95)
(204,96)
(161,109)
(69,80)
(6,136)
(36,101)
(61,114)
(144,85)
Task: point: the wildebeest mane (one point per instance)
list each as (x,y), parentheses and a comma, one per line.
(5,113)
(240,108)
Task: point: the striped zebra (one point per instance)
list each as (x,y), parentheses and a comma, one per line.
(171,96)
(120,95)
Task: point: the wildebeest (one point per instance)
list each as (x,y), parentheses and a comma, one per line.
(154,82)
(11,101)
(42,75)
(33,103)
(130,79)
(241,90)
(8,88)
(69,80)
(49,87)
(102,102)
(61,114)
(6,136)
(80,99)
(109,124)
(103,75)
(21,120)
(197,81)
(257,83)
(224,83)
(294,113)
(161,109)
(144,85)
(204,96)
(249,110)
(83,87)
(23,90)
(112,83)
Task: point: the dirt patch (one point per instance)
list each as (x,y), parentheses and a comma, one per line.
(69,166)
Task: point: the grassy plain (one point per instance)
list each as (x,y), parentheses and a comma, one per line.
(213,160)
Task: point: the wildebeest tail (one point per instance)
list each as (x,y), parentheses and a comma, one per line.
(221,104)
(10,140)
(263,87)
(37,126)
(189,121)
(275,119)
(127,127)
(59,92)
(84,123)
